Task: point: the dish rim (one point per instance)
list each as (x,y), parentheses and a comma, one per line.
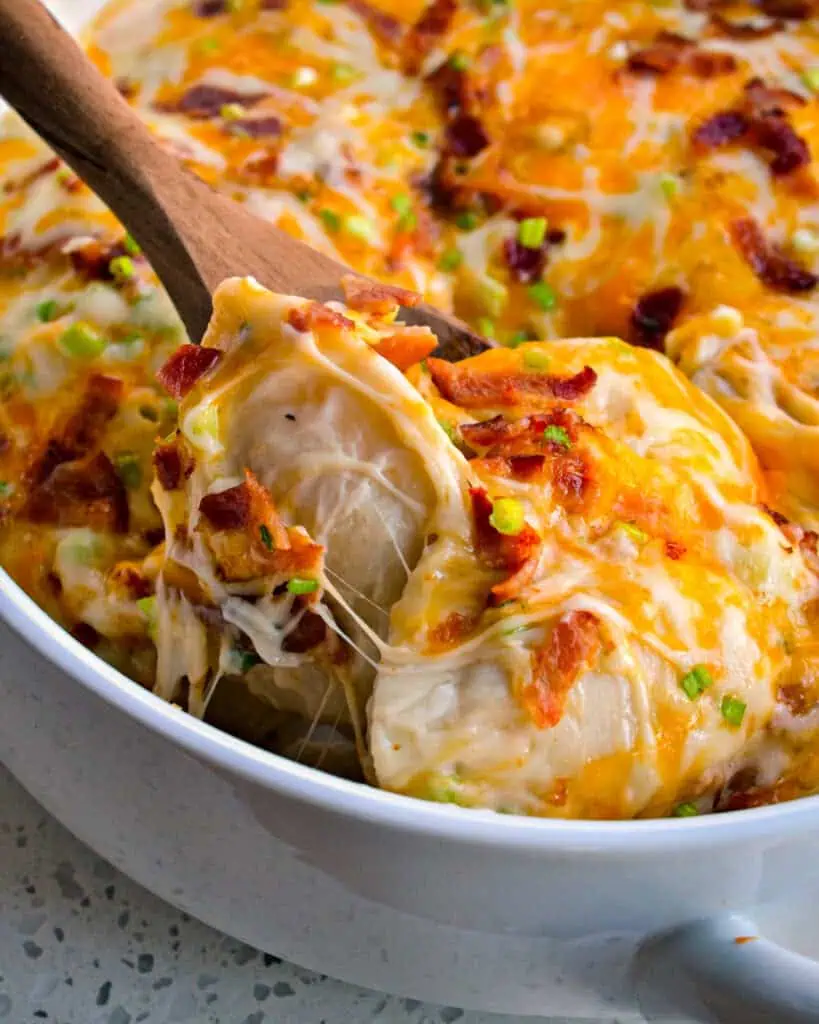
(374,806)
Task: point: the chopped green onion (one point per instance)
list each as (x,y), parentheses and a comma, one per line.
(532,231)
(459,61)
(81,341)
(6,489)
(536,361)
(343,72)
(467,220)
(555,434)
(299,585)
(449,430)
(451,259)
(266,537)
(733,710)
(685,810)
(805,241)
(696,681)
(147,605)
(47,311)
(408,221)
(401,203)
(122,268)
(486,327)
(636,534)
(332,221)
(232,111)
(421,139)
(669,185)
(129,469)
(131,246)
(507,516)
(202,425)
(519,337)
(493,296)
(209,46)
(543,295)
(810,77)
(360,228)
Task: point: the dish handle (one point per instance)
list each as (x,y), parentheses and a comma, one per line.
(721,971)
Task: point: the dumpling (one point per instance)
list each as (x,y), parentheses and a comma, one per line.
(540,581)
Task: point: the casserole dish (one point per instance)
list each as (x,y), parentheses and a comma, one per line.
(410,897)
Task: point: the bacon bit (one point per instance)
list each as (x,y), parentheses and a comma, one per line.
(796,10)
(172,464)
(796,699)
(202,102)
(85,427)
(662,56)
(572,648)
(452,630)
(87,492)
(472,389)
(674,549)
(372,297)
(425,33)
(525,264)
(86,635)
(786,150)
(517,555)
(209,8)
(711,63)
(269,127)
(383,26)
(746,29)
(93,260)
(767,99)
(407,346)
(768,261)
(128,577)
(654,316)
(183,369)
(451,87)
(230,510)
(465,136)
(314,316)
(571,478)
(721,129)
(309,632)
(516,467)
(504,437)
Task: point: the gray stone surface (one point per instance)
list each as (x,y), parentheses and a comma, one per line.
(82,944)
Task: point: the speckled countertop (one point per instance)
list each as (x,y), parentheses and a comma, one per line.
(82,944)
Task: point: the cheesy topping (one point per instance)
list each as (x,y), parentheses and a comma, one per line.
(544,170)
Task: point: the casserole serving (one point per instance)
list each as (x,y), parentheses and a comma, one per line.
(472,893)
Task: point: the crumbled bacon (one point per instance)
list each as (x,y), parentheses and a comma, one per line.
(450,85)
(768,261)
(86,635)
(571,479)
(85,492)
(747,29)
(516,467)
(473,389)
(172,465)
(654,316)
(407,346)
(674,549)
(787,151)
(209,8)
(93,260)
(503,437)
(128,577)
(83,430)
(180,372)
(712,63)
(309,632)
(720,129)
(465,136)
(383,26)
(573,647)
(796,10)
(316,315)
(525,264)
(373,297)
(426,32)
(268,127)
(248,538)
(206,101)
(451,630)
(670,50)
(516,555)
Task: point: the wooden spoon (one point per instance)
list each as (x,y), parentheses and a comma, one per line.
(193,236)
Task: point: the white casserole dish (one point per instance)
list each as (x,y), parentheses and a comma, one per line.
(434,902)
